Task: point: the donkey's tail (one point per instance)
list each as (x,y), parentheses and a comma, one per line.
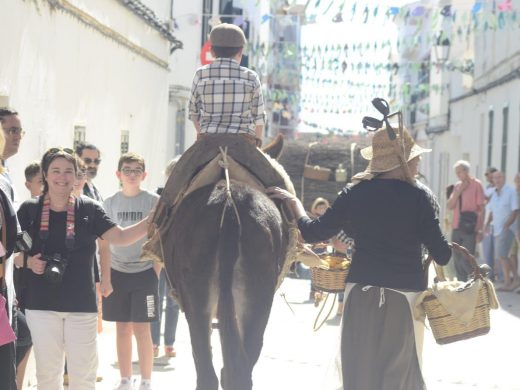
(235,373)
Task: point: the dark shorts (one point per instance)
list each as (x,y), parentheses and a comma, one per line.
(134,299)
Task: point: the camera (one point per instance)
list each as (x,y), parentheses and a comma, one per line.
(23,242)
(55,267)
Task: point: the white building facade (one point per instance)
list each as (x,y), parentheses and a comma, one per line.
(474,109)
(95,71)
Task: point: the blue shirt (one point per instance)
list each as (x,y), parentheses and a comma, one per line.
(501,205)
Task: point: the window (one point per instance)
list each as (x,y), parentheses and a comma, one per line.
(490,138)
(79,135)
(125,141)
(505,124)
(207,11)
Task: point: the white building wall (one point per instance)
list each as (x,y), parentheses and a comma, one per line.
(60,73)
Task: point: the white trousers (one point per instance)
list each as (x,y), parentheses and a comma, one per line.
(56,334)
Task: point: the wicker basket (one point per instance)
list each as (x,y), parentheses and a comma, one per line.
(316,172)
(331,280)
(448,329)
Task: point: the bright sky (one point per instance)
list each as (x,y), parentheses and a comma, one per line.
(325,32)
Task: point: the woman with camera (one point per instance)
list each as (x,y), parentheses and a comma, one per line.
(61,304)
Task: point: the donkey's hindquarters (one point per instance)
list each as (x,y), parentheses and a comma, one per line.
(228,252)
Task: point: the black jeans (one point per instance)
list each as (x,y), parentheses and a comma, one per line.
(463,268)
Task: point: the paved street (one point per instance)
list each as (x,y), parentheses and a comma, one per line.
(296,357)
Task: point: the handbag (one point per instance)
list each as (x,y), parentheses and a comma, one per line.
(467,219)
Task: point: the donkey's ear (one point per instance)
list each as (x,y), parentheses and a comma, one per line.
(275,148)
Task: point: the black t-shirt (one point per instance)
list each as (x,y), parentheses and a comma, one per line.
(76,292)
(389,221)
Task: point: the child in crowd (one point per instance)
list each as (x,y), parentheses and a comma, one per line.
(33,179)
(129,284)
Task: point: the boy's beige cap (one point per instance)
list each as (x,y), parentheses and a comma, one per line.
(227,35)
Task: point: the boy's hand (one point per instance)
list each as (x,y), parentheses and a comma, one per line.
(105,286)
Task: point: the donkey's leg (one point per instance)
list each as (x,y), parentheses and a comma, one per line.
(199,322)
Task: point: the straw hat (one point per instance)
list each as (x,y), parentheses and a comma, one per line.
(227,35)
(382,154)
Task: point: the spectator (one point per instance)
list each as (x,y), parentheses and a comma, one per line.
(81,178)
(503,207)
(130,286)
(61,299)
(171,311)
(33,179)
(513,254)
(467,202)
(8,228)
(487,241)
(13,134)
(91,156)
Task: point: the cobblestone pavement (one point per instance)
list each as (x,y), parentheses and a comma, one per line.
(296,357)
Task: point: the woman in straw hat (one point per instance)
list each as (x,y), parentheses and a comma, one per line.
(390,216)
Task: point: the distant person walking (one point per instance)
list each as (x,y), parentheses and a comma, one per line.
(467,202)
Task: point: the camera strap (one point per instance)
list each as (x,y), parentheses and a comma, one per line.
(69,225)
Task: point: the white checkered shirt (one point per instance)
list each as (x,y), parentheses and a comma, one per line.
(227,98)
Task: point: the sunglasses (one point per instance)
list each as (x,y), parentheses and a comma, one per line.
(15,131)
(89,161)
(60,149)
(128,171)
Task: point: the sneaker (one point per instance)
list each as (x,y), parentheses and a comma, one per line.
(169,351)
(125,384)
(145,386)
(155,351)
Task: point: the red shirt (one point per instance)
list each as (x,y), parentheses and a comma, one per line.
(472,199)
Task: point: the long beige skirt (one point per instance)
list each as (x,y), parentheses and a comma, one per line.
(381,343)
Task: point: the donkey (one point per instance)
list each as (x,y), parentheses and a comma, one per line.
(229,250)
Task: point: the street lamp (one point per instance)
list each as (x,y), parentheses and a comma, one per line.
(442,56)
(442,50)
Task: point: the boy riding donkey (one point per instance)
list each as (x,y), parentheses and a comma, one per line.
(227,109)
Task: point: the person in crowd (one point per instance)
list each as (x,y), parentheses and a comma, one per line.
(8,231)
(503,207)
(390,217)
(91,156)
(227,97)
(13,134)
(33,179)
(81,178)
(12,138)
(488,250)
(513,253)
(61,298)
(130,286)
(467,202)
(171,309)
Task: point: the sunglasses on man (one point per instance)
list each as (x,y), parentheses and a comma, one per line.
(89,161)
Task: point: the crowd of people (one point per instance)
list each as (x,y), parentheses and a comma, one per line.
(488,215)
(73,258)
(63,287)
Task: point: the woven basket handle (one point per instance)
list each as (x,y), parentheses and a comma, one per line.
(477,273)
